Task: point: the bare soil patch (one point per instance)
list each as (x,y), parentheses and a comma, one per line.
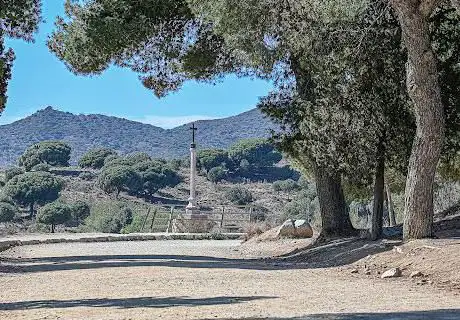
(198,280)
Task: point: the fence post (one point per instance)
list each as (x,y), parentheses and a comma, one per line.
(251,214)
(222,217)
(153,219)
(170,219)
(145,220)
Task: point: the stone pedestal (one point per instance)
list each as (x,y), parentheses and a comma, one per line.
(193,223)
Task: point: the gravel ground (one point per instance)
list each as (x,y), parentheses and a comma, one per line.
(197,280)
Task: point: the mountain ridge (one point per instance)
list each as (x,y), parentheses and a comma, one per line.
(84,132)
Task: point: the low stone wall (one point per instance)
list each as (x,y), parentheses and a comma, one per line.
(8,243)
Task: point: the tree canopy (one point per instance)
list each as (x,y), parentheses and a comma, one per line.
(33,188)
(54,214)
(53,153)
(19,19)
(95,158)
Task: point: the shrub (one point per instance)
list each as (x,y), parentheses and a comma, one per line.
(54,214)
(80,210)
(303,206)
(109,217)
(216,174)
(87,176)
(7,212)
(255,229)
(258,152)
(285,185)
(239,195)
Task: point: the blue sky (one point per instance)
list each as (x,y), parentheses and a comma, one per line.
(40,80)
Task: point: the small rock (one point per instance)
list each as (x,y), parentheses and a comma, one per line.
(397,249)
(354,271)
(392,273)
(416,274)
(368,273)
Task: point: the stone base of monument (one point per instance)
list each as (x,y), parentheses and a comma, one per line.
(191,222)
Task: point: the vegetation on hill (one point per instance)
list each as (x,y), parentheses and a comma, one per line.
(87,132)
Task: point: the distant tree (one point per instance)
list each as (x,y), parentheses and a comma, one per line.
(119,178)
(7,212)
(19,20)
(211,158)
(53,153)
(217,174)
(95,158)
(80,210)
(258,152)
(54,214)
(12,172)
(33,188)
(239,195)
(156,174)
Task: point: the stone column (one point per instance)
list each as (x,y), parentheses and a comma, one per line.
(192,206)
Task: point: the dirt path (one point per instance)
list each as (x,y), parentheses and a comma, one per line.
(197,280)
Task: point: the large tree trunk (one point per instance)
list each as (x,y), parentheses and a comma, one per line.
(379,195)
(424,90)
(335,219)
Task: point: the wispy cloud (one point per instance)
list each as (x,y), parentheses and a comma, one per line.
(169,122)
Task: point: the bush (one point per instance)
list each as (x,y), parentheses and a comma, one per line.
(255,229)
(80,210)
(239,195)
(216,174)
(304,206)
(109,217)
(54,214)
(285,185)
(7,212)
(87,176)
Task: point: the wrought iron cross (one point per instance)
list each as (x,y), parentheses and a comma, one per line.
(194,129)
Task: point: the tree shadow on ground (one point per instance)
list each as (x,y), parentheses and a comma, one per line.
(450,314)
(331,254)
(128,303)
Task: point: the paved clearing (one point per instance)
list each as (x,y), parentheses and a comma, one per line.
(197,280)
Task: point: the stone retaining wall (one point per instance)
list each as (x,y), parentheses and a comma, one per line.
(8,243)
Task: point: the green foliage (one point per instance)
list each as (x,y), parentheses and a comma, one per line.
(87,176)
(449,169)
(95,158)
(54,213)
(211,158)
(80,210)
(41,167)
(53,153)
(155,175)
(109,217)
(18,19)
(239,195)
(288,185)
(33,187)
(304,206)
(258,152)
(12,172)
(7,212)
(217,174)
(117,178)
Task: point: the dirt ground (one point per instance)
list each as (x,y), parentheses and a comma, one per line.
(206,280)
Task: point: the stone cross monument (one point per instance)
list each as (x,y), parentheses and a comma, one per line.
(192,207)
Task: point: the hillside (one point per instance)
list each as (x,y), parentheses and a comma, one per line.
(84,132)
